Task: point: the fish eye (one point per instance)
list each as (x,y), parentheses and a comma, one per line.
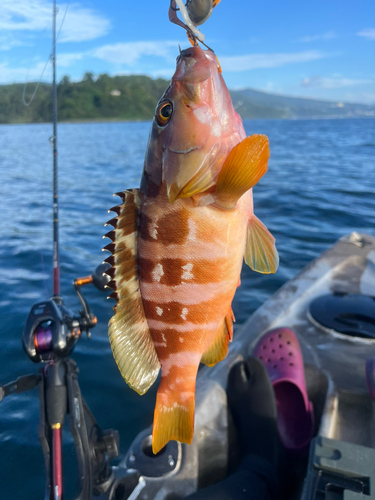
(164,112)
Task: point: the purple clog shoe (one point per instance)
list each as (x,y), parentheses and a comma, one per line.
(280,351)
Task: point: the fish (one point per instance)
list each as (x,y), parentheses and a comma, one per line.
(179,240)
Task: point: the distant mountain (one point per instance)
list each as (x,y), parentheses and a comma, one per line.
(254,104)
(134,97)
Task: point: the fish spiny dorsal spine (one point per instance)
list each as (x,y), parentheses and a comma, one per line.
(112,222)
(129,334)
(109,260)
(111,235)
(111,247)
(116,209)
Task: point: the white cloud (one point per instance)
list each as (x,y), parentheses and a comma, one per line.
(165,73)
(273,88)
(325,36)
(8,42)
(37,70)
(360,97)
(20,74)
(131,52)
(81,24)
(369,34)
(332,83)
(27,15)
(66,60)
(256,61)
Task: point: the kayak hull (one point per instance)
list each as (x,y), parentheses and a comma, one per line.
(334,369)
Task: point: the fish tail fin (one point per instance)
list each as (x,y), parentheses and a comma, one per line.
(173,418)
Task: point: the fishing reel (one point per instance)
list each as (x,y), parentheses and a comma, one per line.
(52,330)
(50,335)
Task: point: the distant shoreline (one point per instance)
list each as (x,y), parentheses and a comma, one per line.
(124,120)
(133,98)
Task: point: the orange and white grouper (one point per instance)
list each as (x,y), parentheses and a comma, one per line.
(179,241)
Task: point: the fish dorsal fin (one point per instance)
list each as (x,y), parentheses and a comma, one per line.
(129,334)
(244,166)
(218,349)
(260,253)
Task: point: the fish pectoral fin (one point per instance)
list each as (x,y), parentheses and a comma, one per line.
(260,253)
(218,350)
(129,335)
(244,166)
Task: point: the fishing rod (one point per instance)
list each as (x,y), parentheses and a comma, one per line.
(56,264)
(49,337)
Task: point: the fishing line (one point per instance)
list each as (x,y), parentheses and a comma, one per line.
(37,85)
(45,66)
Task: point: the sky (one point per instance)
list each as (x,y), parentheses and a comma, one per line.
(321,49)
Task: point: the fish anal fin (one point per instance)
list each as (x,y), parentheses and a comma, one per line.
(244,166)
(173,419)
(260,253)
(129,335)
(218,349)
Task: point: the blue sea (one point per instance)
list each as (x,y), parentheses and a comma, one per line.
(319,187)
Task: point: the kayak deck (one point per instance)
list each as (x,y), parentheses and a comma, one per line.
(335,379)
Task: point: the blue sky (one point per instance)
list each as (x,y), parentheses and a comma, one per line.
(324,49)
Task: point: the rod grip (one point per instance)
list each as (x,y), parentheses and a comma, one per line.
(56,399)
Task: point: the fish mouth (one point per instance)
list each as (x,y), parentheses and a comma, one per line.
(184,152)
(193,65)
(187,53)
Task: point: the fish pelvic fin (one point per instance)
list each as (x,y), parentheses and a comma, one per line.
(244,166)
(218,349)
(260,254)
(173,418)
(129,335)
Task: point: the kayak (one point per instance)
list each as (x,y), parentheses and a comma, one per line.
(330,306)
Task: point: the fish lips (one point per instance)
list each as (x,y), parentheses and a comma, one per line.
(193,65)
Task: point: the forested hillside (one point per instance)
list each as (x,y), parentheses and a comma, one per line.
(119,97)
(134,98)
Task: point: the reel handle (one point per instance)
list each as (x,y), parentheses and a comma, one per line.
(98,278)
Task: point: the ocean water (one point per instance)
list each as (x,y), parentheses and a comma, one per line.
(319,187)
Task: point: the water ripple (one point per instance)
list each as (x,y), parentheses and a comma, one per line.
(320,186)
